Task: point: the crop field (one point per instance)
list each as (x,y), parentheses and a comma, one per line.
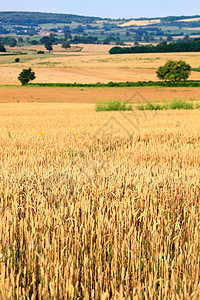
(17,94)
(189,20)
(93,64)
(98,205)
(141,22)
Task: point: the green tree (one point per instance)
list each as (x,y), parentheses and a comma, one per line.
(66,44)
(20,39)
(34,42)
(67,36)
(174,71)
(44,40)
(13,42)
(48,46)
(169,38)
(2,48)
(26,75)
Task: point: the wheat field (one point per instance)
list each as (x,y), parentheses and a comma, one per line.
(98,205)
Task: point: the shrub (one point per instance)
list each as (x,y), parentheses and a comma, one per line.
(165,105)
(178,104)
(175,104)
(17,59)
(2,48)
(197,105)
(141,107)
(26,75)
(150,106)
(40,52)
(115,105)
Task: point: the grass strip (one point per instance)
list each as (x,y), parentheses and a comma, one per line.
(188,83)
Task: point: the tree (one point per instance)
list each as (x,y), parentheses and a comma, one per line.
(66,45)
(26,75)
(79,29)
(2,48)
(48,46)
(34,42)
(20,39)
(169,38)
(66,29)
(52,38)
(44,40)
(186,37)
(174,71)
(12,42)
(67,36)
(146,38)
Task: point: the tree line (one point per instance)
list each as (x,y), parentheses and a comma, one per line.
(36,18)
(163,47)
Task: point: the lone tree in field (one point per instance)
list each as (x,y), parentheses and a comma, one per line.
(66,44)
(26,75)
(174,71)
(48,46)
(2,48)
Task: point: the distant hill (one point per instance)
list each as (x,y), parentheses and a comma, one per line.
(157,21)
(197,19)
(35,18)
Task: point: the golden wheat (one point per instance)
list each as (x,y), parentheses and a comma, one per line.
(98,205)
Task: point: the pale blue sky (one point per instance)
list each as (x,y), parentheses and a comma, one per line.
(107,8)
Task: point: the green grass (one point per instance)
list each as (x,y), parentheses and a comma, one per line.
(196,69)
(11,54)
(175,104)
(116,105)
(188,83)
(25,57)
(48,64)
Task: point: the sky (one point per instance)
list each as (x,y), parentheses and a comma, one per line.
(108,8)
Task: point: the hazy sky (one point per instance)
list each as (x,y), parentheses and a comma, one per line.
(107,8)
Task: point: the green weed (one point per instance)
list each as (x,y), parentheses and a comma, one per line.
(175,104)
(116,105)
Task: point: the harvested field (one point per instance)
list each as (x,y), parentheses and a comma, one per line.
(92,95)
(98,205)
(93,64)
(189,20)
(140,22)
